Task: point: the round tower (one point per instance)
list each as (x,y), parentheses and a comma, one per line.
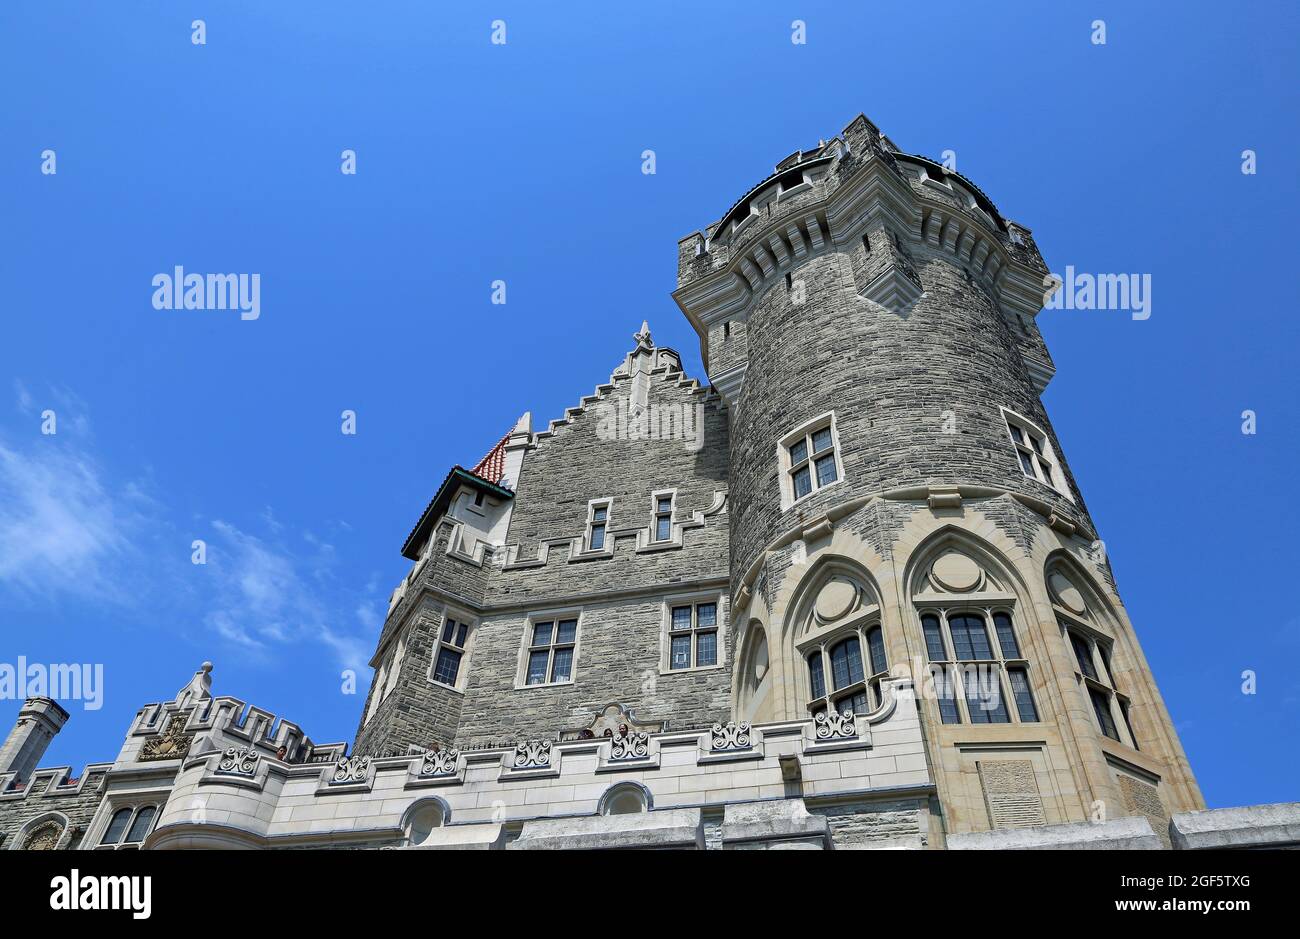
(898,498)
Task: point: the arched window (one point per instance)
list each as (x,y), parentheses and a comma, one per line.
(116,827)
(423,819)
(854,680)
(129,827)
(624,799)
(973,675)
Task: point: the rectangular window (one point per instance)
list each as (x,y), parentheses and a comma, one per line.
(1006,636)
(706,649)
(448,667)
(597,523)
(1101,707)
(663,525)
(945,690)
(550,656)
(1083,655)
(1034,450)
(693,635)
(450,651)
(810,461)
(970,639)
(985,702)
(1024,697)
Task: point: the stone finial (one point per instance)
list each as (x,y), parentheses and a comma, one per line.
(643,337)
(199,687)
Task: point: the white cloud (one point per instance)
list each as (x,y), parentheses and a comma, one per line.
(68,531)
(61,527)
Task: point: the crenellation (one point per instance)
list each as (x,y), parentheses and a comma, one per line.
(832,598)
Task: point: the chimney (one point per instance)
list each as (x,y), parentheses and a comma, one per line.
(38,721)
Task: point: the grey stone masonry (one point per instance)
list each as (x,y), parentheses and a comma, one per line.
(650,431)
(918,388)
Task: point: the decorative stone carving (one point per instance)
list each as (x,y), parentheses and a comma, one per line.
(239,761)
(1066,593)
(836,600)
(44,838)
(533,754)
(956,572)
(832,726)
(439,763)
(731,736)
(629,746)
(171,744)
(612,719)
(351,769)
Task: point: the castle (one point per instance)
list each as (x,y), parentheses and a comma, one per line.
(845,595)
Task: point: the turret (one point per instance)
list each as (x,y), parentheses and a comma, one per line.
(38,721)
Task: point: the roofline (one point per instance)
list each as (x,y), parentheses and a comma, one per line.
(438,505)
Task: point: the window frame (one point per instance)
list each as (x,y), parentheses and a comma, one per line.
(1038,450)
(954,668)
(135,808)
(656,516)
(470,625)
(1101,654)
(789,467)
(822,645)
(667,632)
(588,532)
(526,649)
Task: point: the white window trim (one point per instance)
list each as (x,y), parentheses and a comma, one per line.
(525,646)
(607,549)
(466,651)
(99,825)
(665,631)
(1057,482)
(784,464)
(655,496)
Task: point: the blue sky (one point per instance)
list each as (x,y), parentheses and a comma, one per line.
(521,162)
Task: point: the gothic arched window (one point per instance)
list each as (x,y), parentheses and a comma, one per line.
(129,827)
(854,681)
(968,667)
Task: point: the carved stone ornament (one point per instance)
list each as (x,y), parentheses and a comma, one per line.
(439,763)
(239,761)
(351,769)
(730,736)
(832,726)
(45,838)
(629,746)
(533,754)
(171,744)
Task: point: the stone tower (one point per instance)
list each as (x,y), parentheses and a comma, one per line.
(38,721)
(899,499)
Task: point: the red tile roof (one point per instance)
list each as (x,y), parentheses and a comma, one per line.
(493,466)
